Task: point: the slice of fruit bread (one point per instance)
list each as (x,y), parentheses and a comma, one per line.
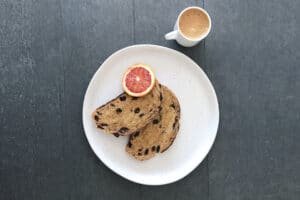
(159,135)
(126,114)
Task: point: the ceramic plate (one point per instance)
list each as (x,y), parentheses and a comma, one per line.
(199,114)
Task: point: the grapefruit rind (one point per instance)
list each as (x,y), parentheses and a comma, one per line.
(143,93)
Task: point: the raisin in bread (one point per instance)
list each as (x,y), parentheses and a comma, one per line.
(125,114)
(157,136)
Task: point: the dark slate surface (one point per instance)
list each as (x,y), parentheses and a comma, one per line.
(49,50)
(253,57)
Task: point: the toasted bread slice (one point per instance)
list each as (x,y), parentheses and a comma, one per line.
(157,136)
(125,114)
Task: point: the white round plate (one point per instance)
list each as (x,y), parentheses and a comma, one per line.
(199,114)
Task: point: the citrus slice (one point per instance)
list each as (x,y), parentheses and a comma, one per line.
(138,80)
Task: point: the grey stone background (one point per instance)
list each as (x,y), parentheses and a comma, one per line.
(49,51)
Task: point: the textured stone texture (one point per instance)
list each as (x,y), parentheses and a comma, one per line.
(49,51)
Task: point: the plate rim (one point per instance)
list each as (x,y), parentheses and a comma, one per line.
(199,161)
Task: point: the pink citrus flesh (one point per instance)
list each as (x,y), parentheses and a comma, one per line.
(138,80)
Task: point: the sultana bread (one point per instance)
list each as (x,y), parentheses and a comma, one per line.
(159,135)
(125,114)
